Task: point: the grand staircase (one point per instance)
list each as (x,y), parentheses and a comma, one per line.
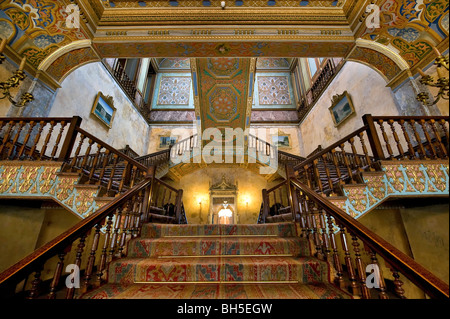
(219,261)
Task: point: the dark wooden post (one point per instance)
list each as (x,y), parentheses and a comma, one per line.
(178,206)
(374,140)
(293,199)
(69,141)
(265,198)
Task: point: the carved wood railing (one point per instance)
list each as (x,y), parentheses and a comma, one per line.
(276,206)
(325,225)
(395,138)
(62,139)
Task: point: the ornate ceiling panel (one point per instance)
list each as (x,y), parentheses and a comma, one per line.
(225,87)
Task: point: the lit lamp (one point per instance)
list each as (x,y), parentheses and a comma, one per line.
(14,81)
(441,83)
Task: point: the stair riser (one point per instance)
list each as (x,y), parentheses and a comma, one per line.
(210,270)
(142,248)
(161,230)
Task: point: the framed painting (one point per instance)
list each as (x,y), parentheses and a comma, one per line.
(103,109)
(342,108)
(282,140)
(165,141)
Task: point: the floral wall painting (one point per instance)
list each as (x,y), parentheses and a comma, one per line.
(103,109)
(342,108)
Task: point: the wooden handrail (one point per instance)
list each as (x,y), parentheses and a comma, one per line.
(22,268)
(112,149)
(416,273)
(309,160)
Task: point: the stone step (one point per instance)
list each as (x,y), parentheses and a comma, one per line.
(215,246)
(219,269)
(152,230)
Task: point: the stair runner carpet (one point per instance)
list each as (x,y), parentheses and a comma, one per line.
(261,261)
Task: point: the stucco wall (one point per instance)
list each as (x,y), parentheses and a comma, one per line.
(77,96)
(369,95)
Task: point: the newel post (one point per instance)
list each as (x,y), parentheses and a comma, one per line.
(69,141)
(266,208)
(374,140)
(178,208)
(293,199)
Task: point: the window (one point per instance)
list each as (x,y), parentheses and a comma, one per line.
(312,66)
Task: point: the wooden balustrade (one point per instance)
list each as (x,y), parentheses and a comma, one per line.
(381,138)
(341,240)
(276,205)
(90,245)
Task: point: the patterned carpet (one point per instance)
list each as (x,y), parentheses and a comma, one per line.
(218,262)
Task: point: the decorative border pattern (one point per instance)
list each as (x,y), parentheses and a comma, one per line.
(41,180)
(406,179)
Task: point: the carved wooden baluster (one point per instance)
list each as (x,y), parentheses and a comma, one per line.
(421,151)
(16,138)
(103,256)
(115,235)
(47,139)
(427,137)
(163,196)
(336,261)
(407,139)
(360,268)
(348,261)
(437,135)
(135,173)
(42,124)
(103,167)
(86,154)
(398,284)
(6,137)
(336,165)
(317,175)
(303,213)
(397,140)
(442,122)
(71,291)
(32,124)
(381,283)
(34,291)
(58,138)
(327,172)
(309,223)
(91,260)
(366,153)
(94,162)
(280,193)
(386,140)
(73,164)
(355,154)
(123,178)
(346,164)
(112,173)
(325,238)
(56,276)
(125,228)
(319,253)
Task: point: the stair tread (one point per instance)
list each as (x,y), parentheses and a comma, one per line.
(218,291)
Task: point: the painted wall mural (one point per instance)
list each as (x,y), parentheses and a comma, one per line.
(174,90)
(42,180)
(415,178)
(274,90)
(411,27)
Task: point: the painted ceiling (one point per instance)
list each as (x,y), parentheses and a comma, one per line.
(37,29)
(224,88)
